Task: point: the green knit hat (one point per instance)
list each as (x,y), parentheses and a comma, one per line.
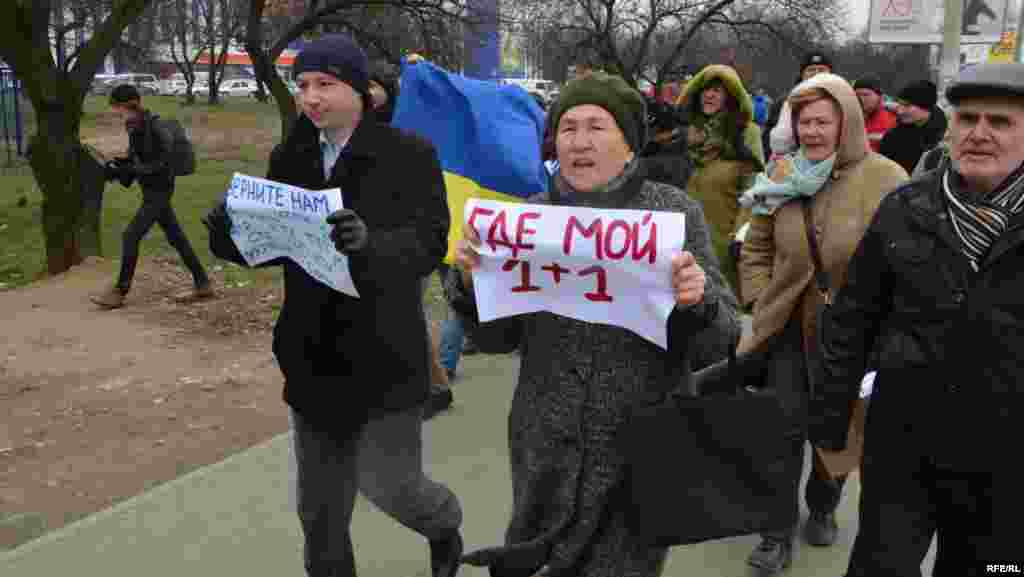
(612,93)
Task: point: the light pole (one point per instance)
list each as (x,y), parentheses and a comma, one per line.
(1018,51)
(950,64)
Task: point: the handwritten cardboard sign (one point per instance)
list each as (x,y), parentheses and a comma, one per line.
(602,266)
(271,220)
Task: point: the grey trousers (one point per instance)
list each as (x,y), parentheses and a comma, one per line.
(384,463)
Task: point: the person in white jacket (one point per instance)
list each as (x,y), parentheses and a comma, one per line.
(782,140)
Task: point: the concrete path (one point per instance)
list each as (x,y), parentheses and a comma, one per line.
(235,518)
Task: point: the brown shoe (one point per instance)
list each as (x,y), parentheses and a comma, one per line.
(201,292)
(113,298)
(204,291)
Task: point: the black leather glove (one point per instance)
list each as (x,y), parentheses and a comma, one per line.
(217,220)
(218,223)
(349,233)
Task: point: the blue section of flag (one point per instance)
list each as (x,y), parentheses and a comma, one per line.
(483,131)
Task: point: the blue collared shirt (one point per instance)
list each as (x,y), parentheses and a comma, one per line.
(330,152)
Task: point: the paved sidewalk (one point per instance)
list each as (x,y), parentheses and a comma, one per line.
(235,518)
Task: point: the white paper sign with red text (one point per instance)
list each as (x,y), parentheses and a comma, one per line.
(596,265)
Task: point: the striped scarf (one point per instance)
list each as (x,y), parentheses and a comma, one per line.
(980,223)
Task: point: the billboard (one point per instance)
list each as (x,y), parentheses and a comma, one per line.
(921,21)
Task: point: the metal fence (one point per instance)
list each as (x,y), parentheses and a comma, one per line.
(11,114)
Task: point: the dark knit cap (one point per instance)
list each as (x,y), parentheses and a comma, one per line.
(922,93)
(124,93)
(613,94)
(872,83)
(339,56)
(815,58)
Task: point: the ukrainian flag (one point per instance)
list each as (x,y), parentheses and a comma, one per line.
(488,136)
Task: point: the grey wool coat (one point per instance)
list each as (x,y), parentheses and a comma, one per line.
(577,384)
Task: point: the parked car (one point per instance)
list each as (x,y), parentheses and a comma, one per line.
(239,87)
(175,87)
(145,83)
(101,83)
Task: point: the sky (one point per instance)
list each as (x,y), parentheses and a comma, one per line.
(858,10)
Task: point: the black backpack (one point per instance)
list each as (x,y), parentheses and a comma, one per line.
(173,137)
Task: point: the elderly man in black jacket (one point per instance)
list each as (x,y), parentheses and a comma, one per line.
(356,369)
(935,290)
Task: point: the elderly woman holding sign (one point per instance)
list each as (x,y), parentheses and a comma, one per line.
(578,380)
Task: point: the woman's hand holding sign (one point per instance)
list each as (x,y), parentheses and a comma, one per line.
(467,257)
(688,280)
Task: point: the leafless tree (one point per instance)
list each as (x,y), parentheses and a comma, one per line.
(75,20)
(222,22)
(348,15)
(651,39)
(182,44)
(57,93)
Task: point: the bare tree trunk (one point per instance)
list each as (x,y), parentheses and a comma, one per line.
(227,23)
(179,35)
(57,96)
(266,73)
(211,45)
(56,164)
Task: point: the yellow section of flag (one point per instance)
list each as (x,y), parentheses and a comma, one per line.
(460,189)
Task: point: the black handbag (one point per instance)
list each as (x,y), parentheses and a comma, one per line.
(709,462)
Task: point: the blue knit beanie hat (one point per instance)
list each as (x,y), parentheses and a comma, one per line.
(339,56)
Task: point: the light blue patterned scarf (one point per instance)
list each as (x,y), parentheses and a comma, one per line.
(805,180)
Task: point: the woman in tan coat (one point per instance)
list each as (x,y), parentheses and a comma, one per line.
(843,182)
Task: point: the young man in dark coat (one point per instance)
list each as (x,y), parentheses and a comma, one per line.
(921,125)
(934,290)
(148,161)
(356,369)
